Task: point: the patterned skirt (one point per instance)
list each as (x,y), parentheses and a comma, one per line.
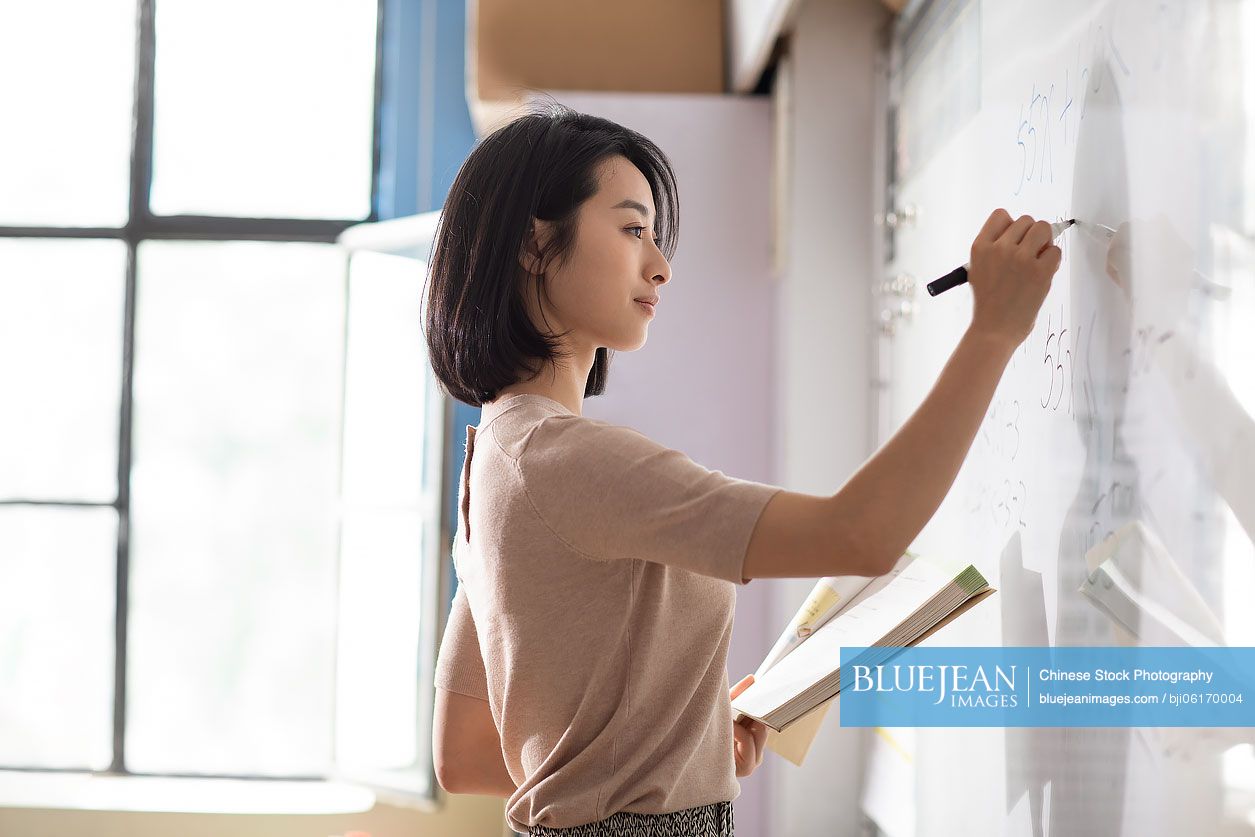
(714,820)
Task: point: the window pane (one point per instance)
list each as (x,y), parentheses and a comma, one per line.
(264,108)
(65,151)
(384,391)
(61,320)
(382,536)
(57,593)
(377,671)
(237,404)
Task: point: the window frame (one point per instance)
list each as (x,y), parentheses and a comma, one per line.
(142,225)
(412,237)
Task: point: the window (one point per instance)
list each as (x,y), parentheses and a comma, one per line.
(394,543)
(173,321)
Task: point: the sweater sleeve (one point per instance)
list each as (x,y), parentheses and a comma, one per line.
(459,664)
(611,493)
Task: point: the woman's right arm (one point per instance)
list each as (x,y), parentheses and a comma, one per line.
(864,528)
(466,747)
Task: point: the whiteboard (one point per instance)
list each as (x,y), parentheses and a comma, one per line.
(1118,410)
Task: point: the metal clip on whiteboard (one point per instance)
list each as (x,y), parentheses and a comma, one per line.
(895,218)
(1135,582)
(891,316)
(901,285)
(899,293)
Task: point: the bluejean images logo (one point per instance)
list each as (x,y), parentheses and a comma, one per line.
(963,686)
(1047,687)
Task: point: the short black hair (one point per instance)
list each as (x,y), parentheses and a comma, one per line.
(542,164)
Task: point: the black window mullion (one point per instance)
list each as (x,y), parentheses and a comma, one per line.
(142,118)
(123,562)
(141,182)
(198,227)
(376,153)
(62,232)
(218,228)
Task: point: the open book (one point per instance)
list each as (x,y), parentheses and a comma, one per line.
(802,675)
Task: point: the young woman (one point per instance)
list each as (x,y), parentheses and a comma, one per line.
(582,674)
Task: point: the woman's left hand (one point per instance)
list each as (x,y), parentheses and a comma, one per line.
(749,737)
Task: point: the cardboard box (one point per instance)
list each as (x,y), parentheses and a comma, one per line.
(517,47)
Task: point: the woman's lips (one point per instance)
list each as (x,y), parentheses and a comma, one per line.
(648,306)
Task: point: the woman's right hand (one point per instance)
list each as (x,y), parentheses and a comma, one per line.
(749,737)
(1011,268)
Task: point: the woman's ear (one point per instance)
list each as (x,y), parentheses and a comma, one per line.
(534,241)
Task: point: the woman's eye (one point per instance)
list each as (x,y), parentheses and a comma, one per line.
(642,229)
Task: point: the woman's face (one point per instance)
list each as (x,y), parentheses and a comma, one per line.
(613,262)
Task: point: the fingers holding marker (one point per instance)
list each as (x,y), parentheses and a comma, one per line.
(1037,238)
(995,225)
(1052,256)
(1014,234)
(1015,252)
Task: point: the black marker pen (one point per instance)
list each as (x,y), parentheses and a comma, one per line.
(958,276)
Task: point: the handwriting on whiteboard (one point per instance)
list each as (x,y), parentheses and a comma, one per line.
(1053,111)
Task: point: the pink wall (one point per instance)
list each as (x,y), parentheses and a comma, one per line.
(703,383)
